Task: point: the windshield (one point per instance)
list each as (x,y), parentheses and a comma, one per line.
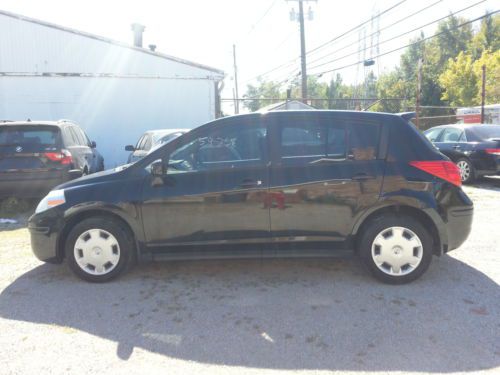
(30,138)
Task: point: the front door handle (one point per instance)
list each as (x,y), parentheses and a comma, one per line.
(248,184)
(361,177)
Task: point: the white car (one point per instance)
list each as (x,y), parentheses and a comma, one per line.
(151,140)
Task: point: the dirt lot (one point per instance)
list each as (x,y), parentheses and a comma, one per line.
(234,317)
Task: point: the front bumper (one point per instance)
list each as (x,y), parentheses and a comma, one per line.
(44,231)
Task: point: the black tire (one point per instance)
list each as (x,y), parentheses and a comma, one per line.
(377,226)
(472,175)
(114,227)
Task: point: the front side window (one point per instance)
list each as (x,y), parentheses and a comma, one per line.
(223,148)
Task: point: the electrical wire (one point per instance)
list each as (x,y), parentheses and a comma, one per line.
(398,36)
(378,31)
(408,45)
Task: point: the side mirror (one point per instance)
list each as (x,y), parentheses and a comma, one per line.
(93,144)
(129,148)
(158,168)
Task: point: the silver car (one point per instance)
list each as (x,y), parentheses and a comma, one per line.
(151,140)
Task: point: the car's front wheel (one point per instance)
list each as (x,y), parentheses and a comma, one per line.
(396,249)
(98,249)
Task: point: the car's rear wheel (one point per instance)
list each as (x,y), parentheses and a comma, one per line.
(98,249)
(396,249)
(467,172)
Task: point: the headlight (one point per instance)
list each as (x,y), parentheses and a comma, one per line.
(54,198)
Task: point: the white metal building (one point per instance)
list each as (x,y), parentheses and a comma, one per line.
(113,90)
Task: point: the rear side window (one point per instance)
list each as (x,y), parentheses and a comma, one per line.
(329,138)
(33,138)
(363,140)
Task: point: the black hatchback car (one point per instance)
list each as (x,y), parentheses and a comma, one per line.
(36,156)
(474,148)
(330,180)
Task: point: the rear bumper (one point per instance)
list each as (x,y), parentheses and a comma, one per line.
(34,184)
(458,226)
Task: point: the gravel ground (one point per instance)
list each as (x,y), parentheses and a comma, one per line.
(273,316)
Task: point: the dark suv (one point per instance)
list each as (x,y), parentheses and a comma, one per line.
(331,180)
(35,156)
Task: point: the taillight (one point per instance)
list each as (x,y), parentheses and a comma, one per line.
(63,157)
(493,151)
(445,170)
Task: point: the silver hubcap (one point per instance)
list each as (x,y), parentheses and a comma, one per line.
(464,168)
(397,251)
(97,252)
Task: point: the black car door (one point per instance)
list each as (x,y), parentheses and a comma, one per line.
(325,171)
(214,189)
(452,143)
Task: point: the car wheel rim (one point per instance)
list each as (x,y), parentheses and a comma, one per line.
(97,252)
(464,168)
(397,251)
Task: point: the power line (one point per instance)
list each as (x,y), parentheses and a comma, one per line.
(355,28)
(408,45)
(400,35)
(378,31)
(290,62)
(252,28)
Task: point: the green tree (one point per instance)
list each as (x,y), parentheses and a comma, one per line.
(491,60)
(459,81)
(488,36)
(260,95)
(390,85)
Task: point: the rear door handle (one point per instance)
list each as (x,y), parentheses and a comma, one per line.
(247,184)
(361,177)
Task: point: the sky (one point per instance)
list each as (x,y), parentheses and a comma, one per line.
(264,35)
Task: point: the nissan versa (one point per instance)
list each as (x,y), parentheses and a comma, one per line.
(331,180)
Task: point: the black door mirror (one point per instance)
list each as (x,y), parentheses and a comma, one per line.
(129,148)
(93,144)
(158,168)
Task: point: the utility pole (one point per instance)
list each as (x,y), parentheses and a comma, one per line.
(303,63)
(419,91)
(483,93)
(236,102)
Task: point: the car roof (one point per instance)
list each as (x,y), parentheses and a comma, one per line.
(58,124)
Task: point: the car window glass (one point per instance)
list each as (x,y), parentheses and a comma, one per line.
(72,131)
(303,139)
(451,135)
(363,140)
(433,134)
(147,143)
(23,136)
(233,146)
(86,140)
(462,138)
(140,142)
(311,137)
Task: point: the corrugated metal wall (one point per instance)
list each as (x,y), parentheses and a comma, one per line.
(114,92)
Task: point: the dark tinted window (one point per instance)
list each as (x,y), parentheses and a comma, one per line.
(485,132)
(227,147)
(363,140)
(29,138)
(303,139)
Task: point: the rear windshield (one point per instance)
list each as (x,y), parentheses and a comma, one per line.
(30,138)
(487,131)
